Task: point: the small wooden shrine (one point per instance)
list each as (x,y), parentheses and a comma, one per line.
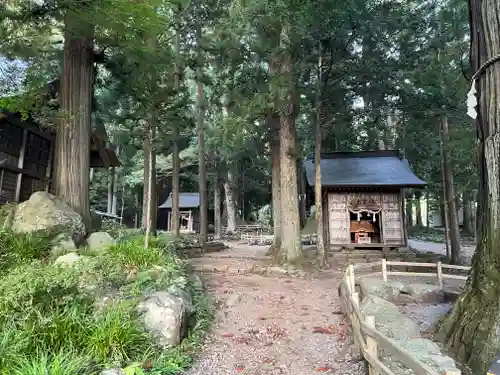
(189,207)
(27,157)
(363,197)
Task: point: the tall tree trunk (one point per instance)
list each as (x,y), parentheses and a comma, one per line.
(418,206)
(409,211)
(470,330)
(468,215)
(111,180)
(230,201)
(202,172)
(114,200)
(217,213)
(318,191)
(274,120)
(175,213)
(290,241)
(149,200)
(72,151)
(450,194)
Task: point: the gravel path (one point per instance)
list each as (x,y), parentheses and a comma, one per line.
(440,248)
(274,325)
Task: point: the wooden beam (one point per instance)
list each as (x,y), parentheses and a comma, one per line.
(30,126)
(20,165)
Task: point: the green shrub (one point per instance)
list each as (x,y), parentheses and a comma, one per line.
(52,324)
(113,227)
(42,363)
(16,248)
(116,336)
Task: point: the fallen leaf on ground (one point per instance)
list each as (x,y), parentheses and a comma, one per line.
(269,361)
(240,368)
(326,331)
(227,334)
(322,369)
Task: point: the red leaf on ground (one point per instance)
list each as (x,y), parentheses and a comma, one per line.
(326,331)
(227,334)
(322,369)
(240,368)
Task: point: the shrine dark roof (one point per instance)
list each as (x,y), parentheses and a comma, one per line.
(186,200)
(363,169)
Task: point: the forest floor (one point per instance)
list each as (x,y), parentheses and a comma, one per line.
(273,324)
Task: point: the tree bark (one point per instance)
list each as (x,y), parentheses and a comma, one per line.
(149,200)
(276,184)
(418,206)
(111,180)
(469,217)
(114,200)
(274,138)
(217,210)
(470,330)
(230,201)
(450,194)
(72,150)
(175,213)
(318,191)
(409,211)
(290,241)
(202,172)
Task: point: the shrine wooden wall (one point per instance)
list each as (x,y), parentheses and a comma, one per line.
(25,159)
(393,230)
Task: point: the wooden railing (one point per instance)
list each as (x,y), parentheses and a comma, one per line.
(367,338)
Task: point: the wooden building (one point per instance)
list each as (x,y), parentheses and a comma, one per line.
(189,207)
(363,197)
(27,157)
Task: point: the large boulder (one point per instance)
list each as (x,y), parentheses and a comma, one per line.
(68,259)
(44,211)
(389,320)
(165,317)
(399,292)
(380,288)
(100,241)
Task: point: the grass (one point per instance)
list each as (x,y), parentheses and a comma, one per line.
(52,325)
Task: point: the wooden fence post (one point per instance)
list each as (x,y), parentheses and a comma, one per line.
(355,298)
(371,345)
(439,269)
(352,280)
(384,269)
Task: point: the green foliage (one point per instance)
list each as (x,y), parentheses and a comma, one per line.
(16,248)
(52,319)
(112,227)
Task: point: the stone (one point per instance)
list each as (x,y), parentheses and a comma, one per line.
(62,244)
(95,221)
(389,320)
(425,351)
(424,292)
(68,259)
(180,288)
(233,300)
(44,211)
(113,371)
(165,317)
(100,241)
(198,283)
(380,288)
